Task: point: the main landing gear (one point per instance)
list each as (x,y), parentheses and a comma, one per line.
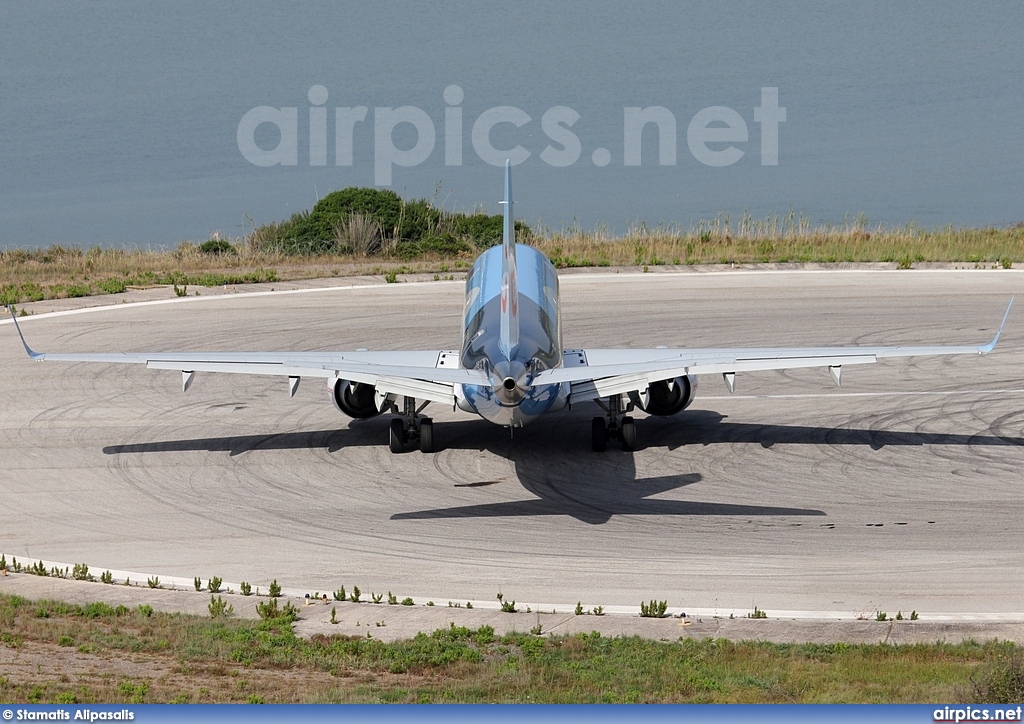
(615,425)
(412,426)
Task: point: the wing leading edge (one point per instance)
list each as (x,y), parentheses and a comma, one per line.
(423,374)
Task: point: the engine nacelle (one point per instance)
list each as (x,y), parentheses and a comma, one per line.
(355,399)
(664,400)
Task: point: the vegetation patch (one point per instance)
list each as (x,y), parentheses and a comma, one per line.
(358,231)
(179,658)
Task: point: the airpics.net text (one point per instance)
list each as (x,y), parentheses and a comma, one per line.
(712,134)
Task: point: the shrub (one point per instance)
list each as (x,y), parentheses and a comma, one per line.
(654,609)
(145,609)
(340,594)
(354,597)
(245,588)
(214,584)
(198,583)
(220,608)
(407,601)
(107,577)
(1000,682)
(216,246)
(392,599)
(81,573)
(579,608)
(269,610)
(757,613)
(275,589)
(112,286)
(153,582)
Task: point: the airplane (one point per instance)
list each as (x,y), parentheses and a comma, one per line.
(512,367)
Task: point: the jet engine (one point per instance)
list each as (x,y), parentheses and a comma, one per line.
(355,399)
(665,399)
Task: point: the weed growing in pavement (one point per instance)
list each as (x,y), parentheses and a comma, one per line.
(153,582)
(757,613)
(654,609)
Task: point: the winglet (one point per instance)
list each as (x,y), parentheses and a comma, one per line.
(508,334)
(31,353)
(985,349)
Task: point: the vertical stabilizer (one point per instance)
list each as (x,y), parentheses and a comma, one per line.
(509,333)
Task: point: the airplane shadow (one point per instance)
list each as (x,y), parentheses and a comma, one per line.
(553,462)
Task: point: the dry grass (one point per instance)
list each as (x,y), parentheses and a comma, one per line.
(783,240)
(60,271)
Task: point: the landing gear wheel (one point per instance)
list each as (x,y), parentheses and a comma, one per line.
(426,435)
(599,435)
(628,434)
(397,436)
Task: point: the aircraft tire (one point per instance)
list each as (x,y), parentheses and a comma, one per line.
(599,435)
(426,435)
(628,432)
(397,442)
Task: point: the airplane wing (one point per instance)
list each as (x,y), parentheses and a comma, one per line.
(424,374)
(597,373)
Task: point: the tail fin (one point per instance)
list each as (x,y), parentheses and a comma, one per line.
(508,338)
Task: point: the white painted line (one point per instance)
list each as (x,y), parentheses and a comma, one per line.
(211,298)
(863,394)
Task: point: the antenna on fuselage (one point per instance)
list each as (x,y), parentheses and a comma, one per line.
(508,338)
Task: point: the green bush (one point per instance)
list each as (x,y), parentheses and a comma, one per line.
(1000,682)
(246,588)
(112,286)
(275,589)
(654,609)
(417,226)
(216,246)
(269,610)
(214,584)
(220,608)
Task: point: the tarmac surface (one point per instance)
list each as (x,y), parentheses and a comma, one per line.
(900,491)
